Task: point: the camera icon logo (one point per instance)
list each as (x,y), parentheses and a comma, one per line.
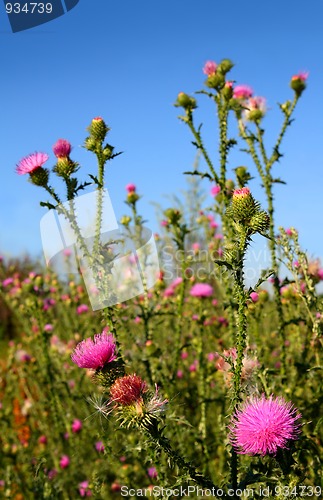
(24,15)
(116,265)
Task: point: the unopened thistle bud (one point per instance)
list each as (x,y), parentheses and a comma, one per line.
(98,129)
(173,216)
(132,197)
(65,167)
(125,220)
(243,205)
(215,81)
(185,101)
(227,90)
(225,66)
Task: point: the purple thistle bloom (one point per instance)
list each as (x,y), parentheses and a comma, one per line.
(201,290)
(31,163)
(95,353)
(262,426)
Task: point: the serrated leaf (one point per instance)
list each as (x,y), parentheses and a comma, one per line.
(47,204)
(200,174)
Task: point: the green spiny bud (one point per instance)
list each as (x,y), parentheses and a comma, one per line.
(185,101)
(98,129)
(125,220)
(39,177)
(225,66)
(65,167)
(259,223)
(173,215)
(107,375)
(215,81)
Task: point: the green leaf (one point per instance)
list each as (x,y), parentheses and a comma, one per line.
(200,174)
(47,204)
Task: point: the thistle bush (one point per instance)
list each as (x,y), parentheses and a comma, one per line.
(199,385)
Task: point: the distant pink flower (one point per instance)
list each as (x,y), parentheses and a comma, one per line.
(31,162)
(209,68)
(254,296)
(131,188)
(242,92)
(51,474)
(177,281)
(289,232)
(196,246)
(22,356)
(83,308)
(168,292)
(62,148)
(201,290)
(84,489)
(95,353)
(256,103)
(320,274)
(215,190)
(164,223)
(64,461)
(42,439)
(7,281)
(76,425)
(180,374)
(263,426)
(152,472)
(48,327)
(184,355)
(99,446)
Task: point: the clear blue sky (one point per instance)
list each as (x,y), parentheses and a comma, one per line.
(126,61)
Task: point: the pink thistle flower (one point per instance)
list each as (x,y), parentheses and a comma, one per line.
(152,472)
(254,296)
(51,474)
(201,290)
(128,390)
(210,68)
(64,461)
(83,308)
(31,162)
(241,193)
(215,190)
(263,426)
(48,327)
(7,281)
(303,76)
(99,446)
(131,188)
(242,92)
(42,439)
(62,148)
(76,425)
(84,489)
(94,354)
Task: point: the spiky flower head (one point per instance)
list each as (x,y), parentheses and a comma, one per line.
(255,109)
(128,390)
(263,426)
(134,404)
(62,148)
(173,216)
(32,165)
(95,354)
(210,68)
(242,92)
(298,82)
(201,290)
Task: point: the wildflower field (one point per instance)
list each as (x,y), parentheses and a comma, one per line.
(174,376)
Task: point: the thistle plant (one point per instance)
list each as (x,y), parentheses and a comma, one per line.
(184,376)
